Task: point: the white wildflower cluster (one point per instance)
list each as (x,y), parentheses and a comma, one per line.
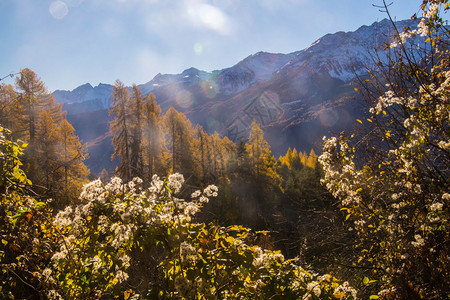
(402,194)
(422,28)
(260,258)
(345,289)
(92,190)
(433,10)
(46,273)
(208,192)
(419,241)
(435,213)
(263,258)
(188,254)
(118,214)
(313,288)
(398,196)
(239,245)
(386,292)
(436,206)
(339,168)
(53,295)
(175,182)
(121,276)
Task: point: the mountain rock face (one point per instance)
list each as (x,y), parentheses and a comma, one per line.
(297,98)
(85,98)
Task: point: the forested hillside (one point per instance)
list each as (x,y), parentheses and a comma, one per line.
(192,215)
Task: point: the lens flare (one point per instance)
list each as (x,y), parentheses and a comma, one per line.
(198,48)
(184,99)
(328,118)
(209,89)
(58,10)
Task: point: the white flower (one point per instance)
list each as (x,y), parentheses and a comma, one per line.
(196,194)
(47,273)
(175,182)
(419,241)
(210,191)
(203,199)
(436,206)
(432,11)
(121,276)
(96,263)
(53,295)
(313,287)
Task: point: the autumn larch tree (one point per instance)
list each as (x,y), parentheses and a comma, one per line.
(181,144)
(136,124)
(120,128)
(154,151)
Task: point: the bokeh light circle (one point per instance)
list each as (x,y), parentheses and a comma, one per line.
(58,10)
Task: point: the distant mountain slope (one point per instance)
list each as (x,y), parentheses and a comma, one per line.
(296,97)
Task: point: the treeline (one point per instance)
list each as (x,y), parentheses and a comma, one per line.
(54,155)
(256,189)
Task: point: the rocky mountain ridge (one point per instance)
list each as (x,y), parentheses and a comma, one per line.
(296,97)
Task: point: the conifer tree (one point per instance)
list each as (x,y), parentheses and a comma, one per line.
(262,163)
(31,114)
(153,139)
(33,98)
(136,120)
(224,151)
(206,154)
(8,106)
(257,178)
(120,129)
(46,155)
(181,144)
(71,156)
(311,161)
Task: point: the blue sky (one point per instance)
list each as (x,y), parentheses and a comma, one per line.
(71,42)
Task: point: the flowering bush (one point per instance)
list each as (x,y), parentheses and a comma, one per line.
(109,237)
(397,197)
(27,236)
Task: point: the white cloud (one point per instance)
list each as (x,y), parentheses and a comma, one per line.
(209,17)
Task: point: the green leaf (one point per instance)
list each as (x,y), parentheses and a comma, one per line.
(40,205)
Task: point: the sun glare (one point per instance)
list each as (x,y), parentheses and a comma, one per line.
(210,17)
